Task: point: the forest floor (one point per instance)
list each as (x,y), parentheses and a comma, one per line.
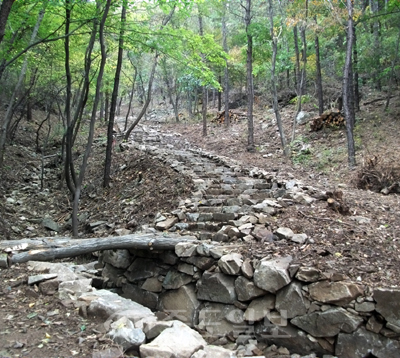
(34,325)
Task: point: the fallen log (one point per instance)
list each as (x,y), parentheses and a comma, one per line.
(46,250)
(377,100)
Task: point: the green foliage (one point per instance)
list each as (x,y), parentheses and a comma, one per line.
(304,99)
(301,151)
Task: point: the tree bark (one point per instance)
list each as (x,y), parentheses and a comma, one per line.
(355,70)
(297,54)
(170,90)
(204,89)
(347,88)
(114,98)
(226,74)
(48,249)
(250,89)
(5,10)
(148,99)
(130,97)
(273,80)
(86,155)
(319,75)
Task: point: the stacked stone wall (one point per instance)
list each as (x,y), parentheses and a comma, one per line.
(230,298)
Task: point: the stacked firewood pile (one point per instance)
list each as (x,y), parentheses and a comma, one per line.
(329,119)
(233,116)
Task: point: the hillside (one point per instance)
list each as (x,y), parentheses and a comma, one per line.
(362,245)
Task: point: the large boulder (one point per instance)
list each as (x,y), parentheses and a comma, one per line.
(143,297)
(290,301)
(230,264)
(388,304)
(216,287)
(219,320)
(260,308)
(272,275)
(339,293)
(182,304)
(361,343)
(246,290)
(328,323)
(179,341)
(124,333)
(105,304)
(290,337)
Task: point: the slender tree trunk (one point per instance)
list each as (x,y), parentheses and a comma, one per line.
(347,89)
(355,70)
(5,10)
(148,99)
(101,116)
(304,52)
(319,76)
(130,99)
(86,155)
(7,118)
(377,45)
(114,98)
(189,101)
(68,162)
(226,73)
(204,89)
(150,85)
(170,89)
(297,54)
(250,89)
(107,107)
(219,95)
(273,80)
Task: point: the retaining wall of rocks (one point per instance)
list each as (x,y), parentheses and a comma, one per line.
(230,298)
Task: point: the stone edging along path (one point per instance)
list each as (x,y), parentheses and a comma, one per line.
(213,285)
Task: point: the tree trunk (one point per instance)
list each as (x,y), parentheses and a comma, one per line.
(170,90)
(250,89)
(114,98)
(355,70)
(376,45)
(5,10)
(67,140)
(86,155)
(347,89)
(226,74)
(148,99)
(274,90)
(150,85)
(7,118)
(297,53)
(107,107)
(204,89)
(204,111)
(319,76)
(101,116)
(48,249)
(130,99)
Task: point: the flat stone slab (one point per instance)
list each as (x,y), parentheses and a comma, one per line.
(103,303)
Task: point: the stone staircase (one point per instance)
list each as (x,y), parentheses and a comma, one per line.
(229,202)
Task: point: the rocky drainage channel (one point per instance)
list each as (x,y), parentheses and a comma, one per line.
(212,299)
